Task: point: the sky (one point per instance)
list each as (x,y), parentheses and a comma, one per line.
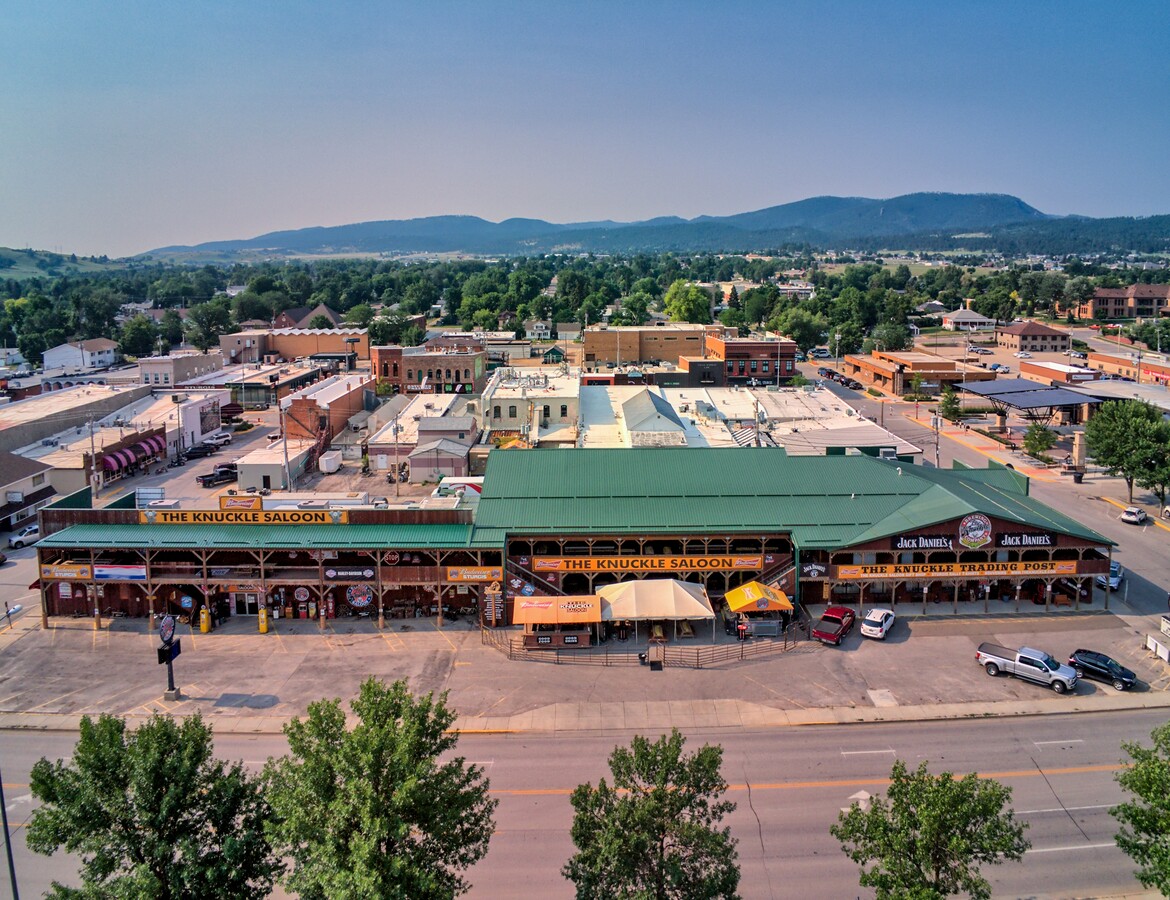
(130,126)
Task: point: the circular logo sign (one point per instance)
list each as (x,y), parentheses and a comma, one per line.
(975,531)
(166,629)
(359,595)
(301,594)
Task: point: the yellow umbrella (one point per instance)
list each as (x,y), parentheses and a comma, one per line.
(757,597)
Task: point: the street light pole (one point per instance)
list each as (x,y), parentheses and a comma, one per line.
(8,842)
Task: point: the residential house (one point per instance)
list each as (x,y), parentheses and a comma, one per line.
(96,353)
(26,489)
(964,319)
(538,330)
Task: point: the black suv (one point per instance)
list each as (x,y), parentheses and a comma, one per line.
(1091,664)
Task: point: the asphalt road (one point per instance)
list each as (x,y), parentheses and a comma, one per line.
(789,786)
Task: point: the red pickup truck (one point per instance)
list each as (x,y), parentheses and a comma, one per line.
(835,623)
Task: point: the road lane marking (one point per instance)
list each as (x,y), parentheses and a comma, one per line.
(1061,809)
(1071,847)
(1039,744)
(865,752)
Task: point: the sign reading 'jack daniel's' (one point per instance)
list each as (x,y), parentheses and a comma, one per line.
(923,542)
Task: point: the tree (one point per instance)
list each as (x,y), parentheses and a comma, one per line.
(1117,442)
(139,336)
(360,315)
(655,833)
(207,321)
(1144,834)
(171,327)
(1154,470)
(370,811)
(321,321)
(806,328)
(687,303)
(927,837)
(152,814)
(1038,440)
(948,406)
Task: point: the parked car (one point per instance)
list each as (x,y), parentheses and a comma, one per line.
(30,534)
(199,451)
(1027,663)
(1023,354)
(836,622)
(220,439)
(1113,580)
(1091,664)
(819,353)
(877,623)
(1134,516)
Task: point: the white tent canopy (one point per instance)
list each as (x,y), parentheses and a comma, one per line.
(654,599)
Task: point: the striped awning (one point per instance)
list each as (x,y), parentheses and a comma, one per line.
(126,457)
(110,461)
(151,446)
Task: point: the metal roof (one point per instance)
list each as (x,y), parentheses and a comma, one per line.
(1021,393)
(254,537)
(823,501)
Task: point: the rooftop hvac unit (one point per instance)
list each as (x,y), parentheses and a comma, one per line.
(887,453)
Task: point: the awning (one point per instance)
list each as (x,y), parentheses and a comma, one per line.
(35,586)
(654,598)
(230,410)
(112,462)
(151,446)
(126,457)
(757,597)
(581,610)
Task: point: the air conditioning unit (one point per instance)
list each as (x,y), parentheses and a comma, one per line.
(887,453)
(50,442)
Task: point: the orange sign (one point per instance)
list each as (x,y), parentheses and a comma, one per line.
(557,610)
(66,570)
(927,571)
(642,563)
(229,502)
(474,573)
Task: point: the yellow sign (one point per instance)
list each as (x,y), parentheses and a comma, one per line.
(67,570)
(243,517)
(474,573)
(927,571)
(643,563)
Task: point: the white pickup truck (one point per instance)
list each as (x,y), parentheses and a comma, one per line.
(1029,663)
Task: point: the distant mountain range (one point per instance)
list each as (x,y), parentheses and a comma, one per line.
(922,221)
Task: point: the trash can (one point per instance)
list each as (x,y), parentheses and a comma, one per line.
(1078,477)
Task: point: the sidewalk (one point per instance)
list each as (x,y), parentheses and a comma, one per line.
(246,683)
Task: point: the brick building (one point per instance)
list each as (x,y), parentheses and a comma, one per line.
(432,369)
(269,345)
(326,407)
(608,346)
(751,360)
(1138,301)
(1033,337)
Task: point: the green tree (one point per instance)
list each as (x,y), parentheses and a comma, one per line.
(806,328)
(654,833)
(151,813)
(1154,469)
(370,810)
(360,315)
(1116,440)
(139,336)
(686,302)
(1144,834)
(321,321)
(1038,440)
(171,327)
(948,405)
(207,321)
(928,836)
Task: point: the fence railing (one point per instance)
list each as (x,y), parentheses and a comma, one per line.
(674,656)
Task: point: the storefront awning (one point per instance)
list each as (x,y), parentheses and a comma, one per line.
(111,462)
(757,597)
(151,446)
(582,610)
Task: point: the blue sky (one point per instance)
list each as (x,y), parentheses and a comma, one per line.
(132,125)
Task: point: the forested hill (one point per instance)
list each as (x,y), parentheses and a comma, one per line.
(934,221)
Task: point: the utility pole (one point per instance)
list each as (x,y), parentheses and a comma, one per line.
(8,842)
(288,485)
(395,473)
(94,475)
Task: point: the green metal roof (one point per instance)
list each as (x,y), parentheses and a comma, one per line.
(254,537)
(823,501)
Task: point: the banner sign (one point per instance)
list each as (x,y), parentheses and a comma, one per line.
(1012,539)
(927,571)
(923,542)
(243,517)
(349,573)
(474,573)
(66,570)
(119,573)
(642,563)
